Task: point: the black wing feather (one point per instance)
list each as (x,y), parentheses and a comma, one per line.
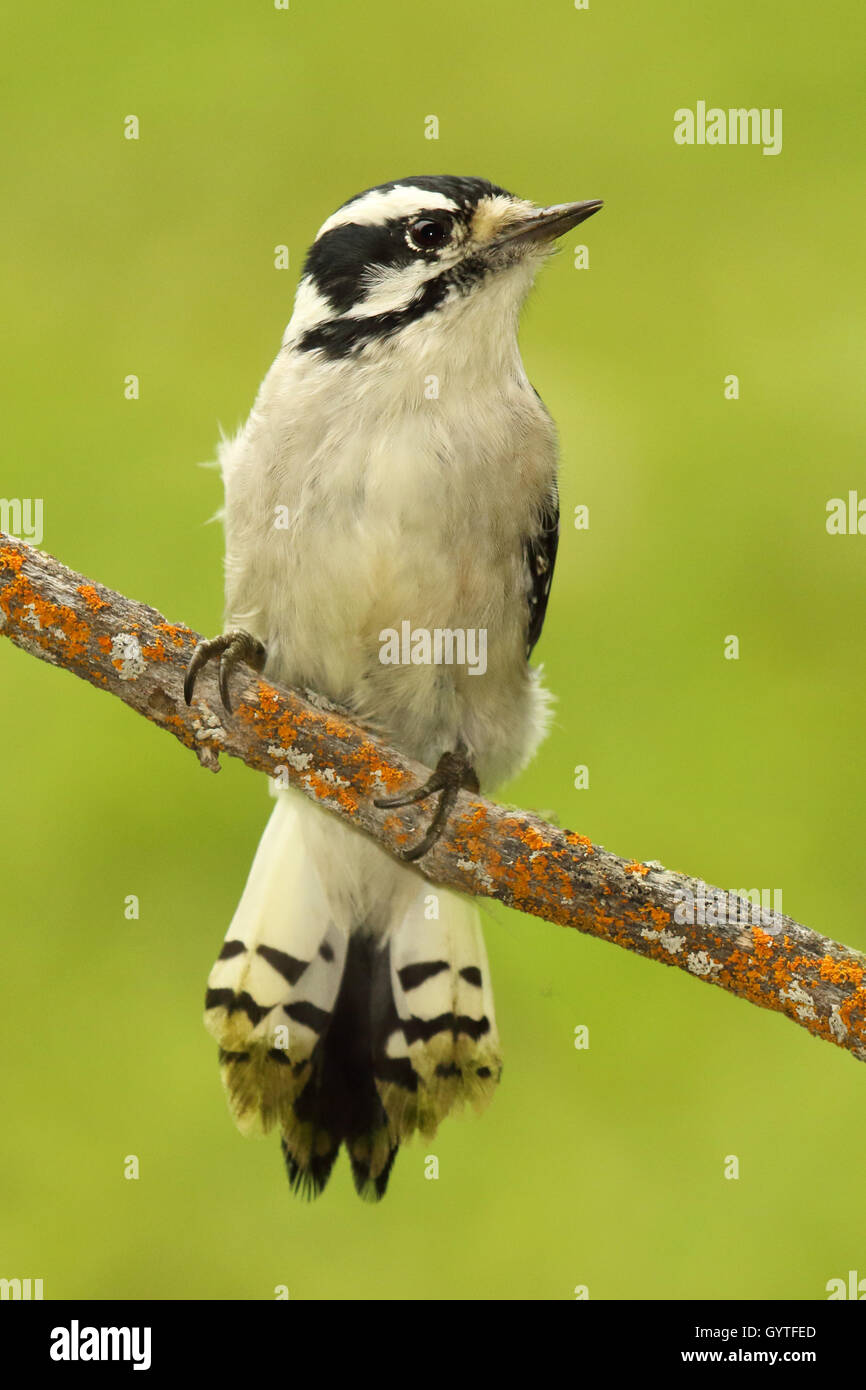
(540,555)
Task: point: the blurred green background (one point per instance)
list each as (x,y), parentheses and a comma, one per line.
(707,517)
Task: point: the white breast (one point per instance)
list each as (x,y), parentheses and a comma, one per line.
(362,495)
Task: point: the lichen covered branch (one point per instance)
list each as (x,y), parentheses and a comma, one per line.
(133,652)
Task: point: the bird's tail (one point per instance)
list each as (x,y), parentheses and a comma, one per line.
(341,1034)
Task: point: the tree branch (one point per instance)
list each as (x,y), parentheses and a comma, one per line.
(131,651)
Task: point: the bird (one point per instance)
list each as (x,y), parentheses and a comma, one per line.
(397,474)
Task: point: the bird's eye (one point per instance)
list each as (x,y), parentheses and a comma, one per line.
(428,233)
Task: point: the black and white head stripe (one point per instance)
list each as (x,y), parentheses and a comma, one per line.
(404,197)
(392,254)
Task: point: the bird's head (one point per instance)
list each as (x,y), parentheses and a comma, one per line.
(417,252)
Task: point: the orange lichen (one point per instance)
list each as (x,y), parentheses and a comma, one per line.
(371,772)
(473,829)
(270,719)
(855,1005)
(66,625)
(531,837)
(635,868)
(658,916)
(11,558)
(278,723)
(541,876)
(155,653)
(91,597)
(840,972)
(176,632)
(325,790)
(603,921)
(44,622)
(269,700)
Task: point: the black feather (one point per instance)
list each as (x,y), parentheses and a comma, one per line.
(540,555)
(340,1101)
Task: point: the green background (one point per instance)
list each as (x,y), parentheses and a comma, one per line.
(707,517)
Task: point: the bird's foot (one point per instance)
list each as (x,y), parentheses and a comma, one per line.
(453,774)
(230,649)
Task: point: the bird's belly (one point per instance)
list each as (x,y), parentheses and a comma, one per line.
(418,630)
(395,537)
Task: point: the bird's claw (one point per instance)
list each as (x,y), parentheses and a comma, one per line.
(453,774)
(231,648)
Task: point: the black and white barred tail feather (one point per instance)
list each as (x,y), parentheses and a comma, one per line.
(358,1038)
(440,1029)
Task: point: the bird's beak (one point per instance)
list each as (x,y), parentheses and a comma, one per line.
(547,223)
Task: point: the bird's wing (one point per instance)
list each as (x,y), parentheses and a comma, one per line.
(540,555)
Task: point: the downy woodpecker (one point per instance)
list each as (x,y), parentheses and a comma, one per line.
(398,434)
